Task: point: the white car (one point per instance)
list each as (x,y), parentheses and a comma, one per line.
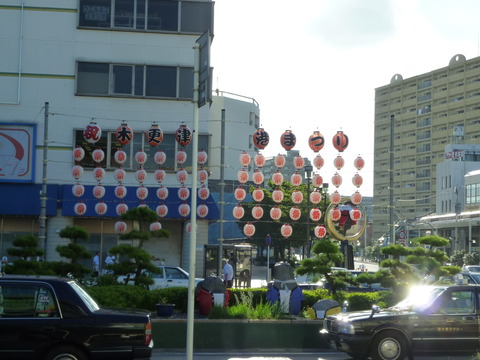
(471,268)
(169,276)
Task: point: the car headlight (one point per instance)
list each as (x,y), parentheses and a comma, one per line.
(346,328)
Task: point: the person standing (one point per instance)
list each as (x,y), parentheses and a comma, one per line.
(96,264)
(227,274)
(109,260)
(4,263)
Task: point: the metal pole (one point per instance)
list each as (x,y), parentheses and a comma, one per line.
(222,193)
(268,263)
(43,194)
(392,225)
(308,217)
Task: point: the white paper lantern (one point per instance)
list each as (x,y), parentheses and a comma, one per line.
(286,230)
(359,163)
(249,230)
(120,191)
(244,159)
(202,157)
(119,175)
(98,155)
(78,154)
(355,214)
(257,212)
(279,161)
(98,191)
(77,172)
(162,193)
(335,197)
(160,157)
(120,227)
(257,177)
(203,193)
(338,162)
(240,194)
(320,231)
(277,196)
(80,208)
(162,210)
(141,157)
(184,210)
(98,173)
(315,214)
(315,197)
(182,176)
(336,180)
(296,179)
(181,157)
(238,212)
(258,195)
(295,213)
(259,160)
(298,162)
(183,193)
(202,210)
(155,226)
(357,180)
(142,192)
(277,178)
(160,175)
(78,190)
(356,198)
(141,175)
(318,161)
(120,156)
(101,208)
(202,176)
(121,208)
(317,180)
(242,176)
(297,197)
(275,213)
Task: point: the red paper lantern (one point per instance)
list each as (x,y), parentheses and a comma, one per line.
(249,229)
(141,175)
(238,212)
(202,210)
(357,180)
(203,193)
(286,230)
(298,162)
(320,231)
(98,191)
(120,191)
(295,213)
(277,178)
(355,214)
(317,180)
(160,175)
(181,157)
(259,160)
(119,175)
(120,156)
(318,161)
(202,157)
(162,210)
(340,141)
(141,157)
(359,163)
(335,197)
(356,198)
(183,135)
(315,197)
(78,154)
(202,176)
(162,193)
(160,157)
(240,194)
(183,193)
(280,161)
(261,138)
(275,213)
(124,134)
(154,135)
(242,176)
(297,197)
(338,162)
(92,133)
(245,159)
(184,210)
(337,180)
(257,212)
(155,226)
(121,208)
(120,227)
(77,171)
(316,141)
(78,190)
(277,196)
(258,195)
(101,208)
(80,208)
(296,179)
(335,214)
(288,140)
(315,214)
(257,177)
(98,155)
(182,176)
(98,173)
(142,192)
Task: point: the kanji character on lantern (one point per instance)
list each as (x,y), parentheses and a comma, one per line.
(162,210)
(316,141)
(183,135)
(261,138)
(288,140)
(154,135)
(124,134)
(279,161)
(259,160)
(92,133)
(340,141)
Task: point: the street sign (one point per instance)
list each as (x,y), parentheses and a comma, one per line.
(402,235)
(205,75)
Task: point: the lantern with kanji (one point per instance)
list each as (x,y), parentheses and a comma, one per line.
(184,210)
(182,176)
(338,162)
(183,135)
(277,178)
(202,176)
(120,227)
(203,192)
(242,176)
(77,171)
(288,140)
(98,155)
(80,208)
(78,190)
(120,156)
(295,213)
(357,180)
(240,194)
(275,213)
(141,157)
(337,180)
(317,180)
(259,160)
(98,191)
(286,230)
(162,210)
(258,195)
(120,191)
(356,198)
(320,231)
(189,227)
(183,193)
(124,134)
(238,212)
(162,193)
(181,157)
(335,197)
(335,214)
(297,197)
(316,141)
(160,157)
(340,141)
(257,177)
(244,159)
(160,175)
(359,163)
(78,153)
(257,212)
(155,226)
(355,214)
(277,196)
(121,208)
(280,161)
(141,192)
(315,197)
(154,135)
(92,133)
(261,138)
(202,210)
(318,161)
(298,162)
(249,230)
(202,157)
(296,179)
(140,175)
(101,208)
(119,175)
(98,173)
(315,214)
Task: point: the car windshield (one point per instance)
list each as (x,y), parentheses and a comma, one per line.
(87,299)
(476,277)
(419,298)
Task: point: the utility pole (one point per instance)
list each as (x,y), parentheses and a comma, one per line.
(391,172)
(222,193)
(43,194)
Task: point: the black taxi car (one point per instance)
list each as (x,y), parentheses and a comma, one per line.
(53,318)
(431,320)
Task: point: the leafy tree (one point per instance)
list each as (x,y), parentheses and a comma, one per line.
(457,257)
(373,252)
(26,248)
(73,252)
(74,232)
(471,258)
(142,217)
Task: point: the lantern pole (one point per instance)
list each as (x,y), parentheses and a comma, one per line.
(43,193)
(308,173)
(222,193)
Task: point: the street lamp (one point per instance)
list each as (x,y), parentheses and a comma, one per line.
(308,175)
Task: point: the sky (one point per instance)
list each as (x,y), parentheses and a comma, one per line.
(314,64)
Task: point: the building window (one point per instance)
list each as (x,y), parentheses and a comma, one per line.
(135,80)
